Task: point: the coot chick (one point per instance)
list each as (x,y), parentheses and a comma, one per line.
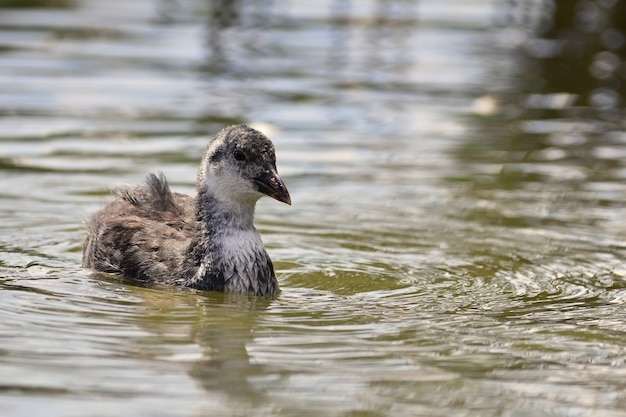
(208,242)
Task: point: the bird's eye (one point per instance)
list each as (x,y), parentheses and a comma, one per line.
(239,155)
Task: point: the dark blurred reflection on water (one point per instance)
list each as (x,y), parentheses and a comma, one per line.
(455,247)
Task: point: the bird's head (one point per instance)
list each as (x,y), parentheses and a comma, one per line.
(239,167)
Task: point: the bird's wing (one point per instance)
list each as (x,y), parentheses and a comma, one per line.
(143,234)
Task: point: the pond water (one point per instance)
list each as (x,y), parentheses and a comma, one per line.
(455,245)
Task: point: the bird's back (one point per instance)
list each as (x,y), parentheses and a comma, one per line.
(143,234)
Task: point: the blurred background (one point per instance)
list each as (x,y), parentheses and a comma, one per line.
(456,241)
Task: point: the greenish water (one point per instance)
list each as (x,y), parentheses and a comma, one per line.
(454,248)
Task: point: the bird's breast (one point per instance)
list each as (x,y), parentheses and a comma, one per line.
(240,246)
(243,260)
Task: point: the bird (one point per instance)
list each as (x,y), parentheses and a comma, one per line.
(207,242)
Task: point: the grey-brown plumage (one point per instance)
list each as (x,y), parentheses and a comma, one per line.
(208,242)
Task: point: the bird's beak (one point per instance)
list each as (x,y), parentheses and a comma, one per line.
(272,185)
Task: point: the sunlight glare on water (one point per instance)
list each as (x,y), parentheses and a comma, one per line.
(455,244)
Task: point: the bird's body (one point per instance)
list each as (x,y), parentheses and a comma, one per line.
(208,242)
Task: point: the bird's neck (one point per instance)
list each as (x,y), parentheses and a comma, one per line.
(218,216)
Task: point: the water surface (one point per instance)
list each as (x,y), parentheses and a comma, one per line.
(455,246)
